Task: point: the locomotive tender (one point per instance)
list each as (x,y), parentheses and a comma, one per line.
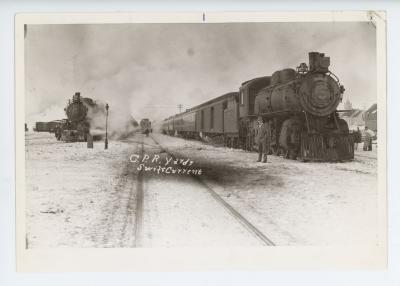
(301,105)
(48,126)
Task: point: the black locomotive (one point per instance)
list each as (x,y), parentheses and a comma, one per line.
(301,104)
(77,126)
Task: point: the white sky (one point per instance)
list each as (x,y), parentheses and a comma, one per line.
(146,70)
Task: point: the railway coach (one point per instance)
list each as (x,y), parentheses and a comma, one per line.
(216,118)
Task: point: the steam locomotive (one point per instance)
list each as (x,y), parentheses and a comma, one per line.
(77,126)
(301,105)
(145,126)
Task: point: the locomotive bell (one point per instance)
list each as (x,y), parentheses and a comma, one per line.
(318,62)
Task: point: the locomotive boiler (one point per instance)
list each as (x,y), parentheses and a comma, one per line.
(299,105)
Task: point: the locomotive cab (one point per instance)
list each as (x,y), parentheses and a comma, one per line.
(248,92)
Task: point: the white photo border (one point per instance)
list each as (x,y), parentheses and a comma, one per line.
(200,259)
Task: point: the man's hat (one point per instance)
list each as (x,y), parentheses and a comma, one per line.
(259,118)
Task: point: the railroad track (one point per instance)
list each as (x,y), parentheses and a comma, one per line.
(127,233)
(228,207)
(139,202)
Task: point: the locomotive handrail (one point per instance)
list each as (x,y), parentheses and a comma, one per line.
(277,84)
(336,122)
(332,74)
(307,122)
(271,113)
(344,110)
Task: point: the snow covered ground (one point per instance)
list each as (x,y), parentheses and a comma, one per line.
(70,191)
(292,202)
(79,197)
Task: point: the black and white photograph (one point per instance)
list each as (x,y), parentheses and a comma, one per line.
(204,134)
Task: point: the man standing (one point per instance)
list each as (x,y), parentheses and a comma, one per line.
(262,138)
(357,138)
(57,132)
(367,140)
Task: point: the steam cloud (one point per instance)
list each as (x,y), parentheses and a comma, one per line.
(146,70)
(119,125)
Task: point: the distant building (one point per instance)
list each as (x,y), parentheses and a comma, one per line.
(348,105)
(360,117)
(354,117)
(371,117)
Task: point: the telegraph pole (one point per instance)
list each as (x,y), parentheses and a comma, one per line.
(106,141)
(180,107)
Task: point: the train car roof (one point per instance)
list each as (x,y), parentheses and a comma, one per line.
(219,98)
(59,120)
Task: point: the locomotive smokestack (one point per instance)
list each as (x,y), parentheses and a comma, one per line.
(318,62)
(76,97)
(313,60)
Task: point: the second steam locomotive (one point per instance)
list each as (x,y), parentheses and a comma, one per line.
(79,114)
(300,104)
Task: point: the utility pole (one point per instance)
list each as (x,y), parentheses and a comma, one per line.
(106,141)
(180,107)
